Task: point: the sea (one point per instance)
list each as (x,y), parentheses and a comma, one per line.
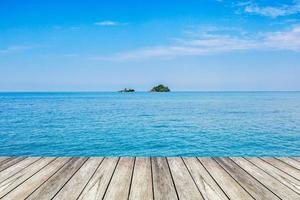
(150,124)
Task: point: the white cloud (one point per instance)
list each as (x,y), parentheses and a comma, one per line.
(289,40)
(270,11)
(207,44)
(16,49)
(109,23)
(70,55)
(75,28)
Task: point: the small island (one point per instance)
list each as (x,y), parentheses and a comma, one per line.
(127,90)
(160,88)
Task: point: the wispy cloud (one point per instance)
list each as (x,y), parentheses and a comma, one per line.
(270,11)
(74,28)
(16,49)
(207,44)
(70,55)
(110,23)
(289,40)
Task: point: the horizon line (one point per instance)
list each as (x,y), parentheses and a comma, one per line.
(143,91)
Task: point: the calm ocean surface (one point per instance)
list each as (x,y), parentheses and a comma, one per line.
(150,124)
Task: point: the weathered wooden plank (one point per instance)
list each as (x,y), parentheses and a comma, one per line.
(206,184)
(54,184)
(26,188)
(256,189)
(163,186)
(76,184)
(296,158)
(5,159)
(10,162)
(283,167)
(10,183)
(120,182)
(270,182)
(185,186)
(43,178)
(291,162)
(226,182)
(21,165)
(141,186)
(98,184)
(284,178)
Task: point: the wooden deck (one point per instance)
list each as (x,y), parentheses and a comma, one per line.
(149,178)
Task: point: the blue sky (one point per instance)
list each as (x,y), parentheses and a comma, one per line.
(189,45)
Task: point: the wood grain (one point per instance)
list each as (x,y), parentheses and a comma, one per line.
(163,186)
(270,182)
(291,162)
(13,181)
(146,178)
(206,184)
(10,162)
(226,182)
(26,188)
(141,186)
(120,182)
(5,159)
(256,189)
(296,158)
(288,169)
(21,165)
(76,184)
(184,183)
(284,178)
(58,180)
(98,184)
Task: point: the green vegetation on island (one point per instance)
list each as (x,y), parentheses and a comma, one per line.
(127,90)
(160,88)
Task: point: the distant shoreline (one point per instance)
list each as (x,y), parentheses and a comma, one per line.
(181,91)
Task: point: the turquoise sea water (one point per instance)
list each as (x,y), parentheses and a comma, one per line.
(150,124)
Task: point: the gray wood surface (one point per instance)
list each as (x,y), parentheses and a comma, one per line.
(120,182)
(4,159)
(13,169)
(9,162)
(267,180)
(288,169)
(145,178)
(75,185)
(290,161)
(284,178)
(141,186)
(206,184)
(226,182)
(163,186)
(184,183)
(26,188)
(296,158)
(13,181)
(98,184)
(256,189)
(49,189)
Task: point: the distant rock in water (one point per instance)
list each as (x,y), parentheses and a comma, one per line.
(127,90)
(160,88)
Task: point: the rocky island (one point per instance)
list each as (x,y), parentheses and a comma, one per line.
(127,90)
(160,88)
